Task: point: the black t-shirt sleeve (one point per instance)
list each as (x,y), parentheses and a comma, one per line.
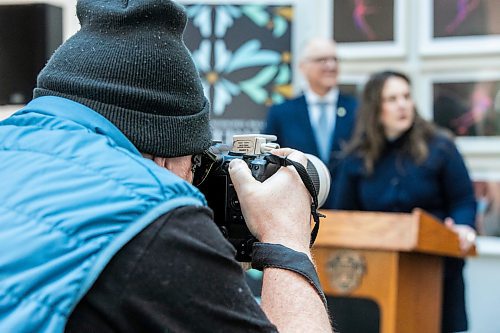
(178,275)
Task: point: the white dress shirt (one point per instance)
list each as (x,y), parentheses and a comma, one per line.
(323,126)
(313,100)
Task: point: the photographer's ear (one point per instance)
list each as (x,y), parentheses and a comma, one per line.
(181,166)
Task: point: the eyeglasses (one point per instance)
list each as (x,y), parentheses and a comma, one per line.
(323,60)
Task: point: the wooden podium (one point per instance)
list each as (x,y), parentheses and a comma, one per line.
(394,259)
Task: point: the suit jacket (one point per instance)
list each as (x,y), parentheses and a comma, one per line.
(290,122)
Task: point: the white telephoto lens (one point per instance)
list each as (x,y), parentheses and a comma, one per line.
(320,176)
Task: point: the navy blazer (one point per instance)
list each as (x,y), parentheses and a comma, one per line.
(290,122)
(440,185)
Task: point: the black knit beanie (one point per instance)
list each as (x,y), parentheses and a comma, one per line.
(129,63)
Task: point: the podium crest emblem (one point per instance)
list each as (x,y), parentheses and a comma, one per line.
(346,269)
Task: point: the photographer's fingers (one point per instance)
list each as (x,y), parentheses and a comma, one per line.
(278,210)
(292,154)
(296,156)
(241,176)
(248,189)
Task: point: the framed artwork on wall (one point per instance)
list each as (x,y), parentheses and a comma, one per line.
(243,52)
(488,207)
(459,27)
(369,28)
(468,105)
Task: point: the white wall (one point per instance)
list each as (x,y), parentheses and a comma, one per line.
(482,287)
(482,154)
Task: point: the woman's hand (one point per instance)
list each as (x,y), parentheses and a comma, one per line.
(466,235)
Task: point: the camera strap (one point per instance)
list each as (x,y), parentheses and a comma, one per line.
(306,179)
(279,256)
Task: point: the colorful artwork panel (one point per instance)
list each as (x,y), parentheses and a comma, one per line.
(243,53)
(468,108)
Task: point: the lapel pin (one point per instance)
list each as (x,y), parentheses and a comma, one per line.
(341,112)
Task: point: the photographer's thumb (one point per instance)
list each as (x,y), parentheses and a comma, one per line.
(241,176)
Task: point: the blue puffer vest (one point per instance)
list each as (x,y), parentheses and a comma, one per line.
(73,191)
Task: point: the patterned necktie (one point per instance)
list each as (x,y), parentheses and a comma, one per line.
(323,133)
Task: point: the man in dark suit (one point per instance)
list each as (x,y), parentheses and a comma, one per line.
(321,119)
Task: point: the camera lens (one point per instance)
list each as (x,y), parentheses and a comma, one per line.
(320,177)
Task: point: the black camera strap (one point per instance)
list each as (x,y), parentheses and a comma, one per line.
(306,179)
(266,255)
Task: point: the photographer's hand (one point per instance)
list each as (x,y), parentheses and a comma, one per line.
(278,211)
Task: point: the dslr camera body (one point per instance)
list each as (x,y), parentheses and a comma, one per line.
(212,178)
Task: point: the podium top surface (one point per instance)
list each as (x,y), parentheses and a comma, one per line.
(407,232)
